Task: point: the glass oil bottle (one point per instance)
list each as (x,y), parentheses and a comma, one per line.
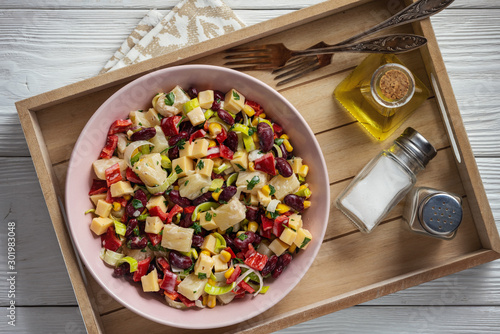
(381,93)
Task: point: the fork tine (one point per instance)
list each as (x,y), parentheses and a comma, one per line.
(252,68)
(261,47)
(309,70)
(256,61)
(299,68)
(260,54)
(292,64)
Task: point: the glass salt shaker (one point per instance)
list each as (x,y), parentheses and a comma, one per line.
(385,180)
(433,212)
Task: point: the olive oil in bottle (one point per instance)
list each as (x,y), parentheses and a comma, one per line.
(381,93)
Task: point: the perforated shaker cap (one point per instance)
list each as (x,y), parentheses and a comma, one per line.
(440,213)
(412,140)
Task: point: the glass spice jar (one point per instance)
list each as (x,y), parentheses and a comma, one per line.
(385,180)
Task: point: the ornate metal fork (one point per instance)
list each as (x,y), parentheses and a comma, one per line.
(299,67)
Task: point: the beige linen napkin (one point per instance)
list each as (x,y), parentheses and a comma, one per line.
(190,22)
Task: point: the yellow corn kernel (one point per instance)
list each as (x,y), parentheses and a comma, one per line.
(304,170)
(255,121)
(216,194)
(229,272)
(253,226)
(198,216)
(116,206)
(304,186)
(255,137)
(211,143)
(282,208)
(288,146)
(263,115)
(248,110)
(211,301)
(176,187)
(307,204)
(205,300)
(206,252)
(266,190)
(225,256)
(211,282)
(127,197)
(214,129)
(251,166)
(284,136)
(292,248)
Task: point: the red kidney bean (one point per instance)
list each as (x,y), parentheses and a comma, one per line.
(176,198)
(131,211)
(215,105)
(270,265)
(231,141)
(192,92)
(121,270)
(252,213)
(141,196)
(173,153)
(186,221)
(243,244)
(137,242)
(197,240)
(132,224)
(143,134)
(295,202)
(226,194)
(187,127)
(219,95)
(238,118)
(283,167)
(178,260)
(206,197)
(225,116)
(175,139)
(283,261)
(266,137)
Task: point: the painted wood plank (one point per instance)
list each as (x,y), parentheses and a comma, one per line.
(44,320)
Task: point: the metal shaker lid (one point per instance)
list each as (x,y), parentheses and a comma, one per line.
(418,145)
(440,213)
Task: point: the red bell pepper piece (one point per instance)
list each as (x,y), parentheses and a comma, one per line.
(256,261)
(132,176)
(113,174)
(213,152)
(142,269)
(154,238)
(250,251)
(267,223)
(221,136)
(255,106)
(157,212)
(266,164)
(175,210)
(230,251)
(198,134)
(169,281)
(234,275)
(170,125)
(185,301)
(98,187)
(174,295)
(266,234)
(120,125)
(245,286)
(121,200)
(189,209)
(110,147)
(226,153)
(278,227)
(110,241)
(278,129)
(163,263)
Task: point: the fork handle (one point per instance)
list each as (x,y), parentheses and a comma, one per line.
(385,44)
(418,10)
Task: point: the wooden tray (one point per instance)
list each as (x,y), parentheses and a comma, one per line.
(351,267)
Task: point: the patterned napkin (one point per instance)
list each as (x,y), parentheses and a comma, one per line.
(190,22)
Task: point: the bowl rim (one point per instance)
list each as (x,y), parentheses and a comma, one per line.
(320,165)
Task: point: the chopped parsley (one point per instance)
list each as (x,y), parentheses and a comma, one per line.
(178,169)
(253,182)
(252,130)
(186,183)
(278,141)
(200,165)
(236,97)
(170,99)
(208,216)
(273,190)
(238,260)
(240,167)
(242,236)
(305,242)
(137,204)
(188,270)
(180,144)
(229,230)
(202,275)
(196,227)
(273,215)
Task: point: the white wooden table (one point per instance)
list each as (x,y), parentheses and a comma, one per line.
(47,44)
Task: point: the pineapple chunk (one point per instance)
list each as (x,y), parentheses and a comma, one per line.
(96,198)
(288,236)
(194,185)
(219,264)
(101,165)
(153,225)
(159,141)
(103,208)
(243,177)
(296,163)
(206,98)
(278,247)
(303,238)
(122,144)
(157,201)
(177,238)
(209,244)
(207,224)
(229,214)
(100,225)
(152,117)
(284,185)
(204,265)
(295,221)
(139,118)
(240,161)
(182,165)
(150,282)
(121,188)
(205,167)
(196,116)
(234,101)
(186,150)
(149,170)
(192,287)
(200,148)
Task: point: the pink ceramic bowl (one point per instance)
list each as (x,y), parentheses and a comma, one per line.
(138,95)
